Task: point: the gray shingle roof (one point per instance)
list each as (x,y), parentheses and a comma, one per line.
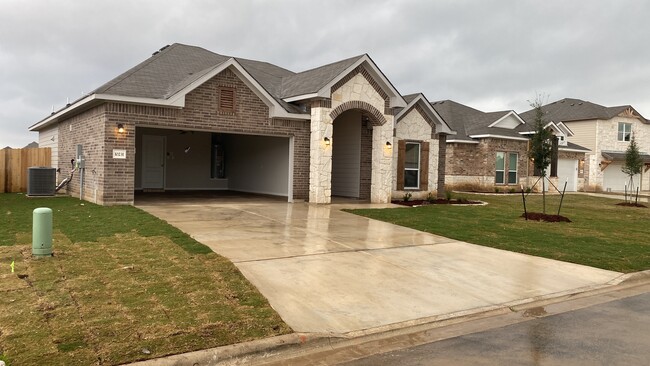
(163,73)
(572,146)
(174,67)
(467,121)
(570,109)
(310,81)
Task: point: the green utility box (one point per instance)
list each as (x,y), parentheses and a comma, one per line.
(42,232)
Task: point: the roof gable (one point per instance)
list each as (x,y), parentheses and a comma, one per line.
(420,100)
(315,84)
(510,121)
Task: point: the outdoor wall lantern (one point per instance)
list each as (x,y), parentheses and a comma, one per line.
(327,141)
(388,145)
(120,128)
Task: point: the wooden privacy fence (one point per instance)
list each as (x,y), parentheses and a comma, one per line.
(14,164)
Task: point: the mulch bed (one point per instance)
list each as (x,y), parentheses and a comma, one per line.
(538,216)
(631,204)
(439,201)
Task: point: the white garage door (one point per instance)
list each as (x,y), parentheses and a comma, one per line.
(615,180)
(567,170)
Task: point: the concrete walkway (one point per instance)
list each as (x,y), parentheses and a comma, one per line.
(328,271)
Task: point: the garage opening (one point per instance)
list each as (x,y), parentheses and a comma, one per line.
(181,160)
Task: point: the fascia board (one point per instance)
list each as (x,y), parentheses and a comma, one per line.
(498,137)
(462,142)
(573,150)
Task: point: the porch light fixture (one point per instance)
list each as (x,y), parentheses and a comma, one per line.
(120,128)
(327,141)
(389,145)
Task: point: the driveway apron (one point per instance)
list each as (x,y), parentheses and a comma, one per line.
(328,271)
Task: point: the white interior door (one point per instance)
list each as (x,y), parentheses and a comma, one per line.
(153,162)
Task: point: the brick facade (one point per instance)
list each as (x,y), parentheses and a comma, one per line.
(114,179)
(87,129)
(476,163)
(366,160)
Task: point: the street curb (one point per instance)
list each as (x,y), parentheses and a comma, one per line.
(299,344)
(240,353)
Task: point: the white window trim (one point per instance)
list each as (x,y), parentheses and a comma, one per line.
(418,168)
(629,133)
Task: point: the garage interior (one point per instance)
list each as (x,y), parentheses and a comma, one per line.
(190,161)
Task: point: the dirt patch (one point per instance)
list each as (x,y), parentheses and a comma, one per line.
(439,201)
(630,204)
(538,216)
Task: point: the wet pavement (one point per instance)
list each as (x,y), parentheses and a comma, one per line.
(612,333)
(328,271)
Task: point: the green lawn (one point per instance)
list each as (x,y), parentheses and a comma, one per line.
(122,286)
(601,235)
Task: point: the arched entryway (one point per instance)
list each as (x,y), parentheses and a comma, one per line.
(352,137)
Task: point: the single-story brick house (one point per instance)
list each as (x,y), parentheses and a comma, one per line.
(190,119)
(490,150)
(606,133)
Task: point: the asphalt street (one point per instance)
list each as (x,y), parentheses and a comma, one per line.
(611,333)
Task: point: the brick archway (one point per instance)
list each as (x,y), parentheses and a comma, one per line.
(376,117)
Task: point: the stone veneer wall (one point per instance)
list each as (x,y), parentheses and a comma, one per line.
(414,126)
(357,90)
(200,113)
(607,140)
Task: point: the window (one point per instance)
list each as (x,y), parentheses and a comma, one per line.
(501,167)
(512,168)
(624,131)
(412,166)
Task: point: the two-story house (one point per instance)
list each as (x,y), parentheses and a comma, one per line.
(607,132)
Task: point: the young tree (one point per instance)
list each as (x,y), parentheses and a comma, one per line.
(633,163)
(541,147)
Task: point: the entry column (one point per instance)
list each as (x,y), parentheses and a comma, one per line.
(320,155)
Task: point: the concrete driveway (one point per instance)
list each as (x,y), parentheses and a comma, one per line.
(327,271)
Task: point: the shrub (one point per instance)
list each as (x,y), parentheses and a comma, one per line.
(431,197)
(407,196)
(512,190)
(448,195)
(497,189)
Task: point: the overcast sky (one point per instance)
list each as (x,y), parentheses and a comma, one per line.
(491,55)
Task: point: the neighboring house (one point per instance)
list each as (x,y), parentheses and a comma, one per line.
(606,132)
(190,119)
(490,150)
(31,145)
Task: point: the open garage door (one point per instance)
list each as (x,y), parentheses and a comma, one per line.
(567,170)
(204,161)
(615,180)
